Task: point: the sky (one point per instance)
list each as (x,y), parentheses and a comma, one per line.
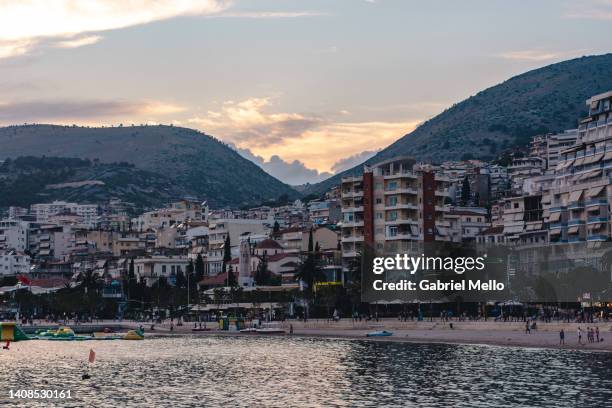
(304,88)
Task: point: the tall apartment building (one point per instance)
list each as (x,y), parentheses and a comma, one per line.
(393,205)
(523,168)
(14,235)
(549,146)
(14,263)
(581,192)
(87,213)
(236,229)
(176,213)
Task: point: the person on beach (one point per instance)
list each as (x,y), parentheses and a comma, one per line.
(579,335)
(527,329)
(561,337)
(597,333)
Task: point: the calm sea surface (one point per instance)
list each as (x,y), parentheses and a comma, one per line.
(287,372)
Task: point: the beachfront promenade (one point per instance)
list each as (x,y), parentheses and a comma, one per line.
(464,332)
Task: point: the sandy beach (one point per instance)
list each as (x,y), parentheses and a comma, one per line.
(493,333)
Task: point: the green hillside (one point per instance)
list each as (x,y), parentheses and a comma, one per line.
(195,164)
(547,99)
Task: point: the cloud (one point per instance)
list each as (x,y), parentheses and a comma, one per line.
(26,24)
(76,111)
(530,55)
(247,122)
(79,41)
(270,14)
(293,173)
(316,142)
(353,160)
(596,10)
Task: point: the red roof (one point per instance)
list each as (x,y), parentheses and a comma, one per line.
(493,230)
(278,257)
(49,282)
(269,244)
(217,280)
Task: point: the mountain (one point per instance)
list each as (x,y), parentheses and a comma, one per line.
(191,162)
(548,99)
(28,180)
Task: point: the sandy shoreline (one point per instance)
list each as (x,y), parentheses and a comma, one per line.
(483,333)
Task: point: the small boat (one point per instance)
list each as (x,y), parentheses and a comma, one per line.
(134,335)
(380,333)
(250,330)
(270,328)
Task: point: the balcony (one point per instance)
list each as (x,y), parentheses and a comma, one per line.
(575,222)
(402,190)
(575,239)
(399,174)
(352,238)
(352,194)
(576,205)
(557,209)
(399,221)
(594,220)
(352,209)
(593,203)
(597,238)
(349,254)
(401,206)
(556,225)
(399,236)
(353,223)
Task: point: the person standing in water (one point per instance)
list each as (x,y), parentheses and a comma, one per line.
(561,337)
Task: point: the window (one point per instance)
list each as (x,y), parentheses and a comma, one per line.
(163,268)
(392,215)
(516,205)
(379,216)
(378,201)
(392,201)
(392,185)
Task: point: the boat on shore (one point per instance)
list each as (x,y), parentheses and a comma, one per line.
(249,330)
(270,328)
(380,333)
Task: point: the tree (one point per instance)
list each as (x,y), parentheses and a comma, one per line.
(262,274)
(199,268)
(131,279)
(310,244)
(227,252)
(231,278)
(465,192)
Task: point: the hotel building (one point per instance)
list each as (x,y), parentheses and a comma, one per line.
(580,193)
(392,206)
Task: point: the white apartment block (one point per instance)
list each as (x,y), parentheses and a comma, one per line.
(14,263)
(14,235)
(581,192)
(523,168)
(550,146)
(237,229)
(87,213)
(153,267)
(176,213)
